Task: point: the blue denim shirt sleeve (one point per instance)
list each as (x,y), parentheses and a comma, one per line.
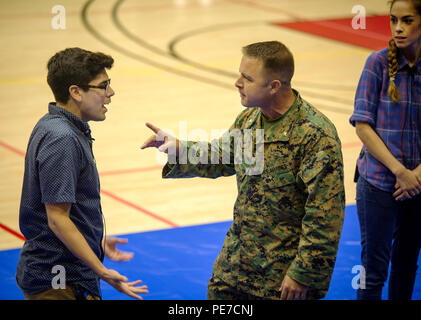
(368,91)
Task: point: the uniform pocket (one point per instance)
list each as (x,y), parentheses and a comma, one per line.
(313,167)
(283,200)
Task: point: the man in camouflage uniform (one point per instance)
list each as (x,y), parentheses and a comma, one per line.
(289,212)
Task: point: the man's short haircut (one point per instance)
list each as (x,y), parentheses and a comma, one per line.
(277,59)
(74,66)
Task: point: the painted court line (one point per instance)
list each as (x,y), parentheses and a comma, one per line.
(374,36)
(124,171)
(107,193)
(11,148)
(13,232)
(119,199)
(138,208)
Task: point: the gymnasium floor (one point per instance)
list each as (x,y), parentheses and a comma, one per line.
(175,64)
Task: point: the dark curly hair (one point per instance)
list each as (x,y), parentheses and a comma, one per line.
(74,66)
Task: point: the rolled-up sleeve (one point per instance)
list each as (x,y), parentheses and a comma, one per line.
(368,91)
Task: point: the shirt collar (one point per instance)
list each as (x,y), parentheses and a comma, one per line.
(403,62)
(83,126)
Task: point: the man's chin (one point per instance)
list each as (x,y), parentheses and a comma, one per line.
(99,119)
(245,105)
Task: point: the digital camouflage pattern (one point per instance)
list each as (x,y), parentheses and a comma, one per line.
(288,219)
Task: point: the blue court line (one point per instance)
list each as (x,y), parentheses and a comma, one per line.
(176,263)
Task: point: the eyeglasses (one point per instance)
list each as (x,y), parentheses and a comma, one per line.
(105,86)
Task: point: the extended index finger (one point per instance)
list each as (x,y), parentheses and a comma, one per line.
(152,127)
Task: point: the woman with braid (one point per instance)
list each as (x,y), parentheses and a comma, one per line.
(387,117)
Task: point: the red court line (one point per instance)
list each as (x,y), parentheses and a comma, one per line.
(138,208)
(15,233)
(104,173)
(107,193)
(11,148)
(121,200)
(124,171)
(375,36)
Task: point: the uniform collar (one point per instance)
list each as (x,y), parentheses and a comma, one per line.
(285,123)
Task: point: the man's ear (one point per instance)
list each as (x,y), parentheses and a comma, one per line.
(75,93)
(275,85)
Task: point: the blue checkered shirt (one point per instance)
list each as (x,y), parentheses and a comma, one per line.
(397,124)
(59,167)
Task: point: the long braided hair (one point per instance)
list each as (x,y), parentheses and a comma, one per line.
(392,55)
(392,60)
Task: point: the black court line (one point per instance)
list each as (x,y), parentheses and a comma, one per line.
(181,37)
(175,55)
(140,58)
(175,41)
(131,36)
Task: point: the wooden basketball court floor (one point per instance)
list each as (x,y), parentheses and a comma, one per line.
(176,62)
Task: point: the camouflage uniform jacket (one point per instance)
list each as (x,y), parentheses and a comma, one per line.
(287,219)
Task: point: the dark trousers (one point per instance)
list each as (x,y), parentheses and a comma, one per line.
(390,233)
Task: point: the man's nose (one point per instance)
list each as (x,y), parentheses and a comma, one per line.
(110,92)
